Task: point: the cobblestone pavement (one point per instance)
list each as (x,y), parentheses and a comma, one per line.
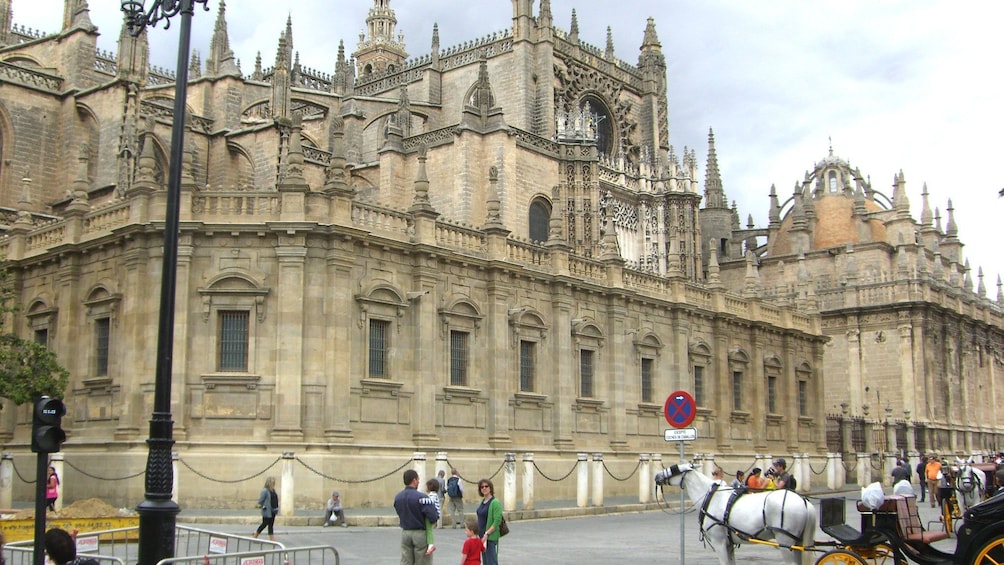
(639,537)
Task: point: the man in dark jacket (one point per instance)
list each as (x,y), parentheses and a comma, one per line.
(413,509)
(920,474)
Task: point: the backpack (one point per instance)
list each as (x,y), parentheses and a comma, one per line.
(791,483)
(453,487)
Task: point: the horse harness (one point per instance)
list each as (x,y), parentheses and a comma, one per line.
(724,520)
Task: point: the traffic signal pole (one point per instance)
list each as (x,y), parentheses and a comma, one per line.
(41,475)
(47,436)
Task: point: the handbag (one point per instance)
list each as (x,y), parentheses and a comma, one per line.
(503,528)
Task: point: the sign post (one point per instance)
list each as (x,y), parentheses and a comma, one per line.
(680,410)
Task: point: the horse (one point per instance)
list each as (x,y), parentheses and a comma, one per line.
(782,515)
(970,484)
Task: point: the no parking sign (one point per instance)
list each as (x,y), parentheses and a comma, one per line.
(680,409)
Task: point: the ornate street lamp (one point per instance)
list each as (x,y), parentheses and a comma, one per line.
(157,512)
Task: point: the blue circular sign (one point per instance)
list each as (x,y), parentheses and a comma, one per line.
(680,409)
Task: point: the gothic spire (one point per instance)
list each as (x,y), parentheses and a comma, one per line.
(133,56)
(951,230)
(926,216)
(221,60)
(774,215)
(899,199)
(281,80)
(714,194)
(609,52)
(76,14)
(573,31)
(545,19)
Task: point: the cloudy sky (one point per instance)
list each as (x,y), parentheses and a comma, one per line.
(911,85)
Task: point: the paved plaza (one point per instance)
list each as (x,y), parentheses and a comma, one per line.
(636,537)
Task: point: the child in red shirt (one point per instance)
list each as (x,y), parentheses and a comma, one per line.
(473,546)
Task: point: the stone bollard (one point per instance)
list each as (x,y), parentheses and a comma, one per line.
(56,462)
(442,465)
(418,464)
(528,478)
(833,468)
(864,469)
(582,486)
(6,480)
(598,479)
(656,465)
(890,464)
(644,479)
(708,465)
(509,483)
(287,488)
(174,476)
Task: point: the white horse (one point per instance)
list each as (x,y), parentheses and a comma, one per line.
(969,483)
(782,515)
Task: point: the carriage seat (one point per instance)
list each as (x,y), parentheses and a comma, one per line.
(907,518)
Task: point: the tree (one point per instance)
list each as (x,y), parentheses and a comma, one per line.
(28,369)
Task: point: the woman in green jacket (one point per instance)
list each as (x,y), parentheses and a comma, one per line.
(489,519)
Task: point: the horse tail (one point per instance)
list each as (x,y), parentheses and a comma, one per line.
(809,533)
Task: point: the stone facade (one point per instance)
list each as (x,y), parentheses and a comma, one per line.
(487,248)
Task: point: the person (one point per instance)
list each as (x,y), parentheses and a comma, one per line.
(754,481)
(718,475)
(738,481)
(52,489)
(455,490)
(473,547)
(268,501)
(334,509)
(945,482)
(62,549)
(900,472)
(431,487)
(489,519)
(783,478)
(413,510)
(441,492)
(932,470)
(922,477)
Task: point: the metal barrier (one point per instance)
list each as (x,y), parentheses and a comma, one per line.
(311,555)
(120,546)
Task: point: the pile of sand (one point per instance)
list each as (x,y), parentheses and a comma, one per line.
(86,508)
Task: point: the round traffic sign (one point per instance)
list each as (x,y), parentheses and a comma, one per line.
(680,409)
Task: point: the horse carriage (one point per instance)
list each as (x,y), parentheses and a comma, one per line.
(891,534)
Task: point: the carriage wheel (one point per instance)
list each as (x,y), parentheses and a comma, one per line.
(879,554)
(992,553)
(840,556)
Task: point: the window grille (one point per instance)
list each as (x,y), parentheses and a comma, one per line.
(378,348)
(458,358)
(233,340)
(527,365)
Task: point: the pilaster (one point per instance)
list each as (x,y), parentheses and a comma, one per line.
(291,254)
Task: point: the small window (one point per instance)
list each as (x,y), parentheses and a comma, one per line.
(459,355)
(803,398)
(646,379)
(102,330)
(527,365)
(378,348)
(833,181)
(42,336)
(586,373)
(699,385)
(540,220)
(737,390)
(772,395)
(233,355)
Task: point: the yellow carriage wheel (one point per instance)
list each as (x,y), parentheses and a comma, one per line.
(840,556)
(878,554)
(992,553)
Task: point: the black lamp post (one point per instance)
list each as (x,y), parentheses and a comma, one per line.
(157,512)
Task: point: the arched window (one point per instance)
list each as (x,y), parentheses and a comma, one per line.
(833,181)
(604,124)
(540,220)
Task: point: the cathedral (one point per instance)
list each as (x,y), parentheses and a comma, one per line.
(477,249)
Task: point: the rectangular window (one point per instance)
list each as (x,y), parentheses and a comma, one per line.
(699,385)
(586,373)
(234,340)
(102,328)
(737,390)
(646,379)
(772,395)
(42,336)
(803,398)
(378,348)
(458,358)
(527,365)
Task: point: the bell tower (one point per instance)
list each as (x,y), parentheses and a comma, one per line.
(379,51)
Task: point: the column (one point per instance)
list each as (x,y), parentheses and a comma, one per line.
(509,483)
(291,253)
(833,466)
(287,487)
(657,465)
(442,465)
(582,486)
(528,477)
(644,479)
(418,464)
(864,469)
(598,479)
(6,480)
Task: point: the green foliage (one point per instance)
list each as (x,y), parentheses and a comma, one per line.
(27,369)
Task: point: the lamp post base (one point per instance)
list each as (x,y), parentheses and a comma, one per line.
(157,521)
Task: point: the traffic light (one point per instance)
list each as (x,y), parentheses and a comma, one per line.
(46,434)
